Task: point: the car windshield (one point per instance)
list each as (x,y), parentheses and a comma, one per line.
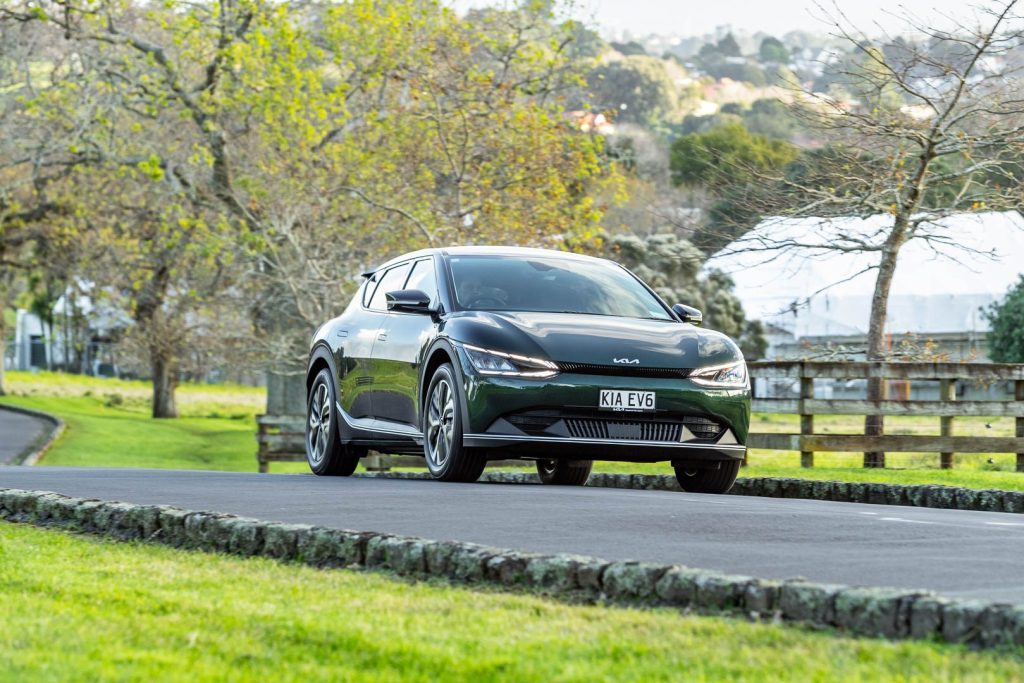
(551,284)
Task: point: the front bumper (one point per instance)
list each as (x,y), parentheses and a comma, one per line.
(538,447)
(491,399)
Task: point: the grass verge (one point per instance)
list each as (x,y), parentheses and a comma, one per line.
(78,608)
(108,422)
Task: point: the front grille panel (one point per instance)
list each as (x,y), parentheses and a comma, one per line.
(623,370)
(587,428)
(587,425)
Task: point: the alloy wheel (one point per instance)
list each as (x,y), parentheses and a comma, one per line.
(440,423)
(547,466)
(319,423)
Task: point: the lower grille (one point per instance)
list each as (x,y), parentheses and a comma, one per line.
(561,422)
(583,428)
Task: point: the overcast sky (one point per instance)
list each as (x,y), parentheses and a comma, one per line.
(690,17)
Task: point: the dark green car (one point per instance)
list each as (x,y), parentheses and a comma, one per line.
(470,354)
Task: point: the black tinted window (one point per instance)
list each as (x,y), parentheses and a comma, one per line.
(392,280)
(551,284)
(422,278)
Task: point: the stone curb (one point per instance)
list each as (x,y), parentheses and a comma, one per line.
(925,495)
(39,450)
(885,613)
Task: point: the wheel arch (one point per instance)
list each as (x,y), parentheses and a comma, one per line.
(440,352)
(319,358)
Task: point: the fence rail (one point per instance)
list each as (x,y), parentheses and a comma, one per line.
(281,438)
(946,408)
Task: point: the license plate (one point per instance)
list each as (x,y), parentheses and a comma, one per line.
(628,401)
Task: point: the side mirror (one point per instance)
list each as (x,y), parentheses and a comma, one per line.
(408,300)
(688,314)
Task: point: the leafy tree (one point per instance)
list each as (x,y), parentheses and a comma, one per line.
(1006,317)
(629,49)
(773,51)
(726,156)
(772,118)
(301,143)
(728,46)
(702,124)
(638,88)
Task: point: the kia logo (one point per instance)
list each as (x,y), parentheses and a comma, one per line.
(627,361)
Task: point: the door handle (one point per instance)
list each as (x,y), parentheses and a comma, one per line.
(383,336)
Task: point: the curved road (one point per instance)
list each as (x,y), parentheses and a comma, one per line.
(19,433)
(957,553)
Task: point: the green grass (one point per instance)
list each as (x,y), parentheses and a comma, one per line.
(82,609)
(108,422)
(108,425)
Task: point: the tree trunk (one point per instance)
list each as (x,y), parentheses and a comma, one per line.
(874,425)
(165,382)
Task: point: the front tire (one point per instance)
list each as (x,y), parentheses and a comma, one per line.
(564,472)
(707,480)
(325,453)
(447,459)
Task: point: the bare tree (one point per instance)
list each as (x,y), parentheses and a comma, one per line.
(934,129)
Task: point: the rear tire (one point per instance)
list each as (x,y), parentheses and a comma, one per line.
(325,453)
(447,459)
(564,472)
(705,480)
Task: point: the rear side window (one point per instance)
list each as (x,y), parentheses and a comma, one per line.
(422,278)
(392,280)
(368,287)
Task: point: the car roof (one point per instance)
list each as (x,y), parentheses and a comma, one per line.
(484,250)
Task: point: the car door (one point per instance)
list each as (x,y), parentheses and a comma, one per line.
(399,350)
(361,373)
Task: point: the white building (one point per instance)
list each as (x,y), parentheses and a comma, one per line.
(36,346)
(811,296)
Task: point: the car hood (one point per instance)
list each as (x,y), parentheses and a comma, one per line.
(604,340)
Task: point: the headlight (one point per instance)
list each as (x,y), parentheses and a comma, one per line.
(732,376)
(501,364)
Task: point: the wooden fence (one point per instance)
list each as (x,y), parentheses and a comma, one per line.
(281,438)
(946,408)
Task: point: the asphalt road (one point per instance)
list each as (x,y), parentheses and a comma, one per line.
(18,433)
(957,553)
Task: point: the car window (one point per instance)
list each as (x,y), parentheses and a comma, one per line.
(422,278)
(368,287)
(551,284)
(392,280)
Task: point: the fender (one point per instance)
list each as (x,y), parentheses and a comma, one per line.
(321,351)
(447,345)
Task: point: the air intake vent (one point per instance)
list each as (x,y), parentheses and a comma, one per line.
(703,427)
(584,428)
(623,370)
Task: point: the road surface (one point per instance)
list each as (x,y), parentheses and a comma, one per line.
(19,433)
(956,553)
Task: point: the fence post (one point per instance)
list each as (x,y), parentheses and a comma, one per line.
(1018,393)
(806,420)
(947,392)
(376,463)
